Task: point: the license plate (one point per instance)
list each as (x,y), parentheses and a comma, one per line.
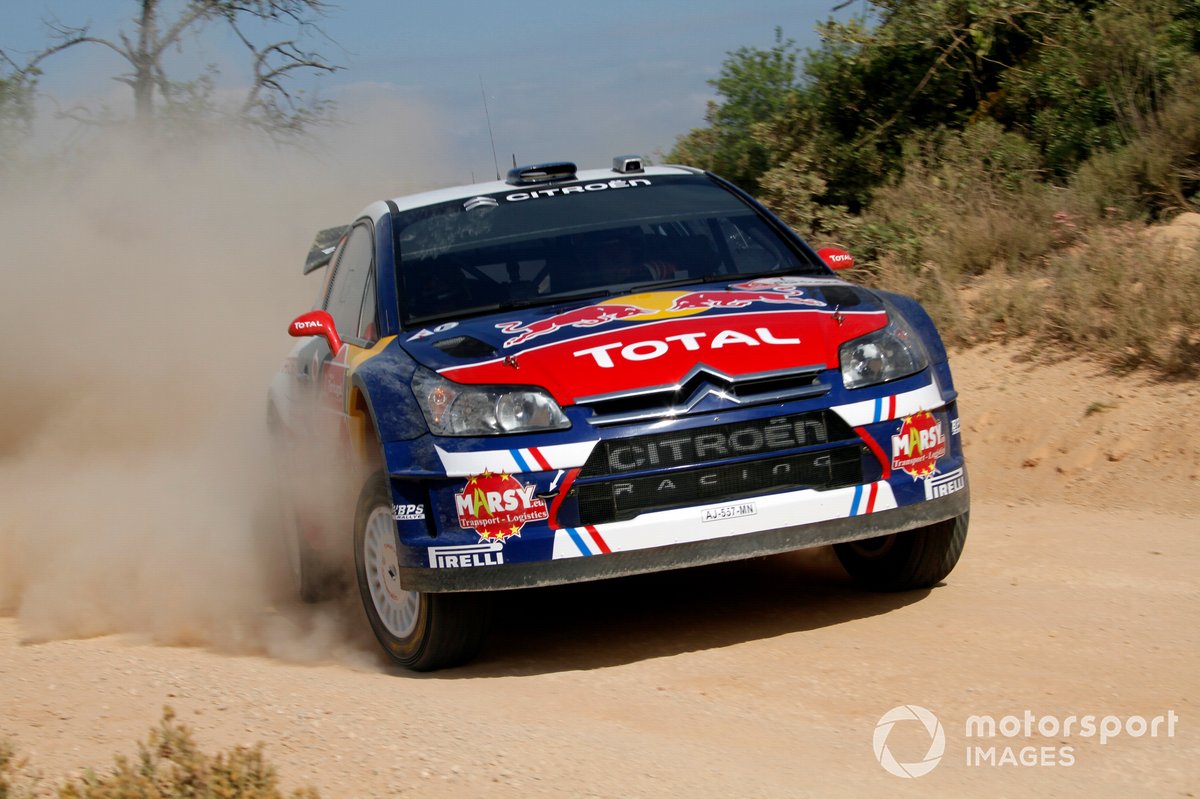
(728,512)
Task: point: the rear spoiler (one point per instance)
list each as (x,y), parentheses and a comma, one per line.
(323,246)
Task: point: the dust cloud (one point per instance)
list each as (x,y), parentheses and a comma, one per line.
(147,294)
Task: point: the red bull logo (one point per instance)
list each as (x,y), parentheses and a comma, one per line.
(590,316)
(737,299)
(654,305)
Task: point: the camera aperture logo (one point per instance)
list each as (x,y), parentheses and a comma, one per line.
(937,741)
(1013,740)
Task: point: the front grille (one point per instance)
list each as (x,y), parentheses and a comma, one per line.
(701,445)
(624,498)
(704,385)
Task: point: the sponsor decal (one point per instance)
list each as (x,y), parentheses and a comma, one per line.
(485,553)
(737,299)
(945,484)
(666,349)
(705,444)
(307,325)
(480,202)
(919,445)
(728,512)
(657,305)
(788,284)
(954,426)
(521,196)
(836,258)
(408,513)
(427,332)
(497,506)
(632,495)
(590,316)
(649,349)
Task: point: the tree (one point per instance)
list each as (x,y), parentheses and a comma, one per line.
(14,110)
(1102,80)
(269,104)
(755,85)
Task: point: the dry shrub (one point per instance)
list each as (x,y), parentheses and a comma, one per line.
(992,252)
(1125,294)
(15,780)
(1127,298)
(169,765)
(966,201)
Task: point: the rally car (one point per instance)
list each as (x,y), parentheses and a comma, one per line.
(573,375)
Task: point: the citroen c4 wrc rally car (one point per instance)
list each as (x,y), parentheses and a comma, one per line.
(574,375)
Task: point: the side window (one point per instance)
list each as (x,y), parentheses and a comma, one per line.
(350,279)
(367,329)
(326,274)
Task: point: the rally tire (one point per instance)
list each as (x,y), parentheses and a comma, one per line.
(913,559)
(420,631)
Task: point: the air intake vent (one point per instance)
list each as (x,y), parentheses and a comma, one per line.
(465,347)
(624,498)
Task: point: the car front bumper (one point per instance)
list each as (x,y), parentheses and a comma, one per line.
(770,541)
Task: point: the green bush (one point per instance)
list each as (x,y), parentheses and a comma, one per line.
(1157,173)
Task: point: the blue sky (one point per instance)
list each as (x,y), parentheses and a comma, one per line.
(565,80)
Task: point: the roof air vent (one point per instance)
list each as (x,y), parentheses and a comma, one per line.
(626,164)
(541,173)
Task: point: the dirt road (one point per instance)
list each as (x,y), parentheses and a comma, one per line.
(764,678)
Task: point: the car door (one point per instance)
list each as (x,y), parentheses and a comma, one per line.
(350,301)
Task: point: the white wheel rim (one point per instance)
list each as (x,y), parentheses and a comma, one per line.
(396,607)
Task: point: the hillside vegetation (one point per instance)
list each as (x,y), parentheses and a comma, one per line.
(1005,161)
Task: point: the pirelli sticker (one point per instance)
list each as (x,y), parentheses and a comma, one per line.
(943,485)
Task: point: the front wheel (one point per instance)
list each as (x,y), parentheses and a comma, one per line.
(903,561)
(420,631)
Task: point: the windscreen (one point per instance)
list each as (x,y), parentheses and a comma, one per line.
(546,244)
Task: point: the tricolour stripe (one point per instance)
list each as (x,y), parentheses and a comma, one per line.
(541,461)
(522,464)
(884,409)
(583,549)
(534,459)
(683,525)
(595,534)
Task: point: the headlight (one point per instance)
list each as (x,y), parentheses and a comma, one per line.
(887,354)
(456,409)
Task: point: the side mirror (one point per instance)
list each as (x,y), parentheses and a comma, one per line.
(317,323)
(836,257)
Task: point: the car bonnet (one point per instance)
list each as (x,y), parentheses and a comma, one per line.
(653,338)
